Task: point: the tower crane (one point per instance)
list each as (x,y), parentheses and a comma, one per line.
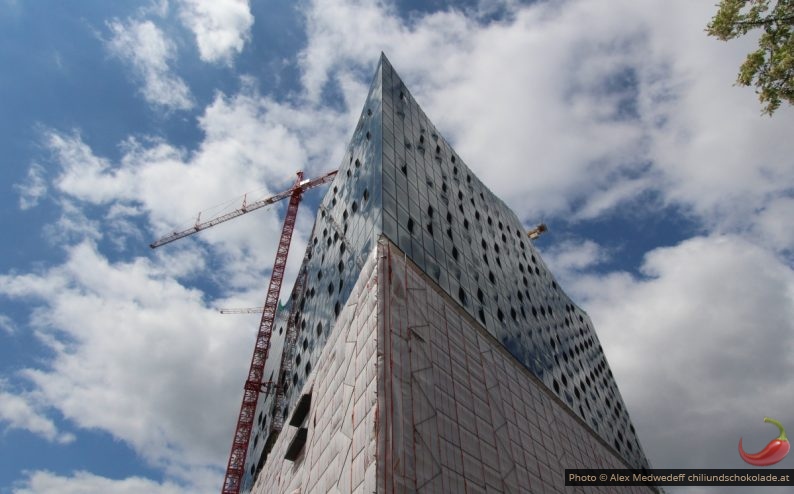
(255,381)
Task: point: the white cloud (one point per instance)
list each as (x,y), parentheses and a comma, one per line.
(221,27)
(621,191)
(560,135)
(147,49)
(716,153)
(33,188)
(701,346)
(83,175)
(571,256)
(775,223)
(43,482)
(7,324)
(17,411)
(121,227)
(584,120)
(135,354)
(557,118)
(156,8)
(249,141)
(73,225)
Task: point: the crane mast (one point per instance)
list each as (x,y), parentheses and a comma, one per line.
(254,382)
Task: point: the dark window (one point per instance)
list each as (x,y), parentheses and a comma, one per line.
(296,445)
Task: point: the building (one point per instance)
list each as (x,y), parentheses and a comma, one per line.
(434,351)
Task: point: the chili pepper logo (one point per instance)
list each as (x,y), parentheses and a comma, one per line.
(776,450)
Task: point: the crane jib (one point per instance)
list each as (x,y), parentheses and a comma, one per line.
(299,187)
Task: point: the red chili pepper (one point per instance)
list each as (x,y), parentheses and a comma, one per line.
(776,450)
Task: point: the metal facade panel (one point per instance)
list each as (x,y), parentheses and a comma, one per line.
(402,179)
(345,232)
(476,249)
(339,452)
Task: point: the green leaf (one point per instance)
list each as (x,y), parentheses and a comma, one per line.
(770,68)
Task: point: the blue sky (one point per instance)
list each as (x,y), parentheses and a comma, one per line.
(669,200)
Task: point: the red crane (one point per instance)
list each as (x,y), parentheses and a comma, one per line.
(255,380)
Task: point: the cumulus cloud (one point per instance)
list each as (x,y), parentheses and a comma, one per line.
(563,135)
(7,324)
(117,327)
(43,482)
(568,259)
(701,346)
(149,52)
(71,226)
(561,120)
(135,354)
(120,223)
(556,118)
(251,144)
(221,27)
(775,224)
(33,188)
(585,120)
(716,154)
(18,411)
(83,174)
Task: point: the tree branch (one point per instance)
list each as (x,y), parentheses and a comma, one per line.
(768,20)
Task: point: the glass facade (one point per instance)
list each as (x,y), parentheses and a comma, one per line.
(401,178)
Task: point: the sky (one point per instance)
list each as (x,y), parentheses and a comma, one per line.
(668,197)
